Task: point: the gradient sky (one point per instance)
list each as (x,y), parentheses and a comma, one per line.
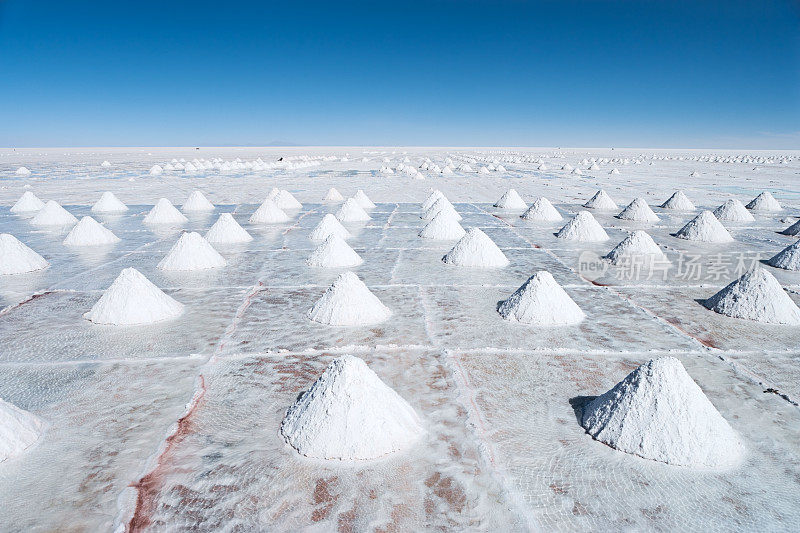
(701,74)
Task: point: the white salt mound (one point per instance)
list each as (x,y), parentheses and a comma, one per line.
(109,203)
(27,203)
(156,170)
(583,227)
(19,430)
(542,210)
(601,201)
(442,205)
(197,202)
(192,252)
(638,211)
(333,197)
(541,301)
(511,200)
(349,414)
(269,213)
(788,258)
(133,300)
(329,225)
(285,200)
(105,164)
(273,194)
(704,228)
(348,302)
(733,211)
(334,252)
(794,229)
(52,214)
(476,249)
(658,412)
(164,213)
(352,212)
(89,232)
(637,244)
(431,199)
(764,202)
(363,200)
(758,296)
(678,202)
(16,258)
(22,171)
(227,231)
(443,227)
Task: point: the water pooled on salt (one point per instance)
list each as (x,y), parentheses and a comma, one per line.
(109,203)
(227,231)
(704,228)
(89,232)
(19,430)
(788,258)
(678,202)
(638,211)
(333,196)
(27,203)
(269,213)
(133,300)
(192,252)
(583,227)
(363,200)
(329,225)
(601,201)
(334,252)
(52,214)
(348,302)
(164,213)
(511,200)
(197,202)
(542,210)
(352,212)
(733,211)
(757,296)
(541,301)
(475,249)
(17,258)
(764,202)
(443,227)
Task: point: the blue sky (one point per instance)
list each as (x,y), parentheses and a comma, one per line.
(631,73)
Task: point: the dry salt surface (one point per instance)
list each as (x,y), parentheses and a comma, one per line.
(176,424)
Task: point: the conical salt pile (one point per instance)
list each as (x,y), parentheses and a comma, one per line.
(788,258)
(333,197)
(511,200)
(285,200)
(542,210)
(443,227)
(439,206)
(638,211)
(637,244)
(476,249)
(334,252)
(704,228)
(352,212)
(329,225)
(197,202)
(431,199)
(191,252)
(22,171)
(27,203)
(758,296)
(109,203)
(601,201)
(583,227)
(133,300)
(164,213)
(348,302)
(19,430)
(52,214)
(794,229)
(541,301)
(658,412)
(363,200)
(89,232)
(273,194)
(227,231)
(269,213)
(349,414)
(678,202)
(16,258)
(733,211)
(764,202)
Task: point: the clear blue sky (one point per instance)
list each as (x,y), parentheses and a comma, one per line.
(628,73)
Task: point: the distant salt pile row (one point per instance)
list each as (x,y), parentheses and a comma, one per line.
(236,165)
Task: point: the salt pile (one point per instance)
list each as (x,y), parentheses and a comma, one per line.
(349,414)
(52,214)
(637,244)
(794,229)
(363,200)
(334,252)
(16,258)
(764,202)
(758,296)
(678,202)
(285,200)
(19,430)
(27,203)
(443,227)
(133,300)
(192,252)
(333,197)
(109,203)
(197,202)
(105,164)
(269,213)
(352,212)
(542,210)
(164,213)
(227,231)
(614,171)
(442,205)
(733,211)
(704,228)
(511,200)
(89,232)
(601,201)
(156,170)
(329,225)
(788,258)
(583,227)
(348,302)
(638,211)
(541,301)
(22,171)
(658,412)
(476,249)
(431,199)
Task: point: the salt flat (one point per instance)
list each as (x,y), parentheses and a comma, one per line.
(176,425)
